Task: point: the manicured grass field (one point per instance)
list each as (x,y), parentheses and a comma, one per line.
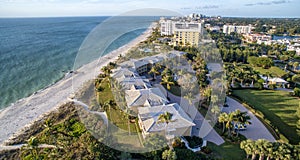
(277,106)
(119,119)
(227,151)
(274,71)
(106,93)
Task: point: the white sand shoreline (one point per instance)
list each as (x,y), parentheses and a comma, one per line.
(24,112)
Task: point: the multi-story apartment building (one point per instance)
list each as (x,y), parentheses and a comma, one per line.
(166,27)
(184,32)
(187,33)
(227,29)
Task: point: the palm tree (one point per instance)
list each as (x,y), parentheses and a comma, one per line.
(295,65)
(262,146)
(32,146)
(223,118)
(206,94)
(108,105)
(169,155)
(269,151)
(229,123)
(215,110)
(166,72)
(106,70)
(168,81)
(190,98)
(241,119)
(246,146)
(155,71)
(165,118)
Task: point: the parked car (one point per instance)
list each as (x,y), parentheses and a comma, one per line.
(240,127)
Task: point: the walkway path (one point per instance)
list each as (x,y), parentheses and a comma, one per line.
(202,129)
(256,130)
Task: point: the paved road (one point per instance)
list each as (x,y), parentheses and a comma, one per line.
(254,131)
(202,129)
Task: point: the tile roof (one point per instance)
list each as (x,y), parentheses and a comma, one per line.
(149,117)
(145,97)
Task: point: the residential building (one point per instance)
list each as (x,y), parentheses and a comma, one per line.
(258,38)
(144,65)
(166,27)
(180,125)
(227,29)
(145,98)
(147,102)
(187,33)
(134,83)
(123,72)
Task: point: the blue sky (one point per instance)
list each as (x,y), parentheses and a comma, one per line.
(240,8)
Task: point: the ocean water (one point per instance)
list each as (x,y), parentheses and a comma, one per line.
(37,52)
(284,37)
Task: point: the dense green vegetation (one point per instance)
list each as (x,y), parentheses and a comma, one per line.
(268,150)
(272,71)
(277,106)
(227,151)
(288,26)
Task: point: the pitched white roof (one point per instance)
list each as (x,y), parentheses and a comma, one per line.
(123,73)
(136,63)
(277,80)
(149,117)
(129,83)
(145,97)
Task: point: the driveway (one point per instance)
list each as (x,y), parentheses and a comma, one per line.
(202,129)
(254,131)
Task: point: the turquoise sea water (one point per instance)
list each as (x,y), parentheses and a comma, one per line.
(37,52)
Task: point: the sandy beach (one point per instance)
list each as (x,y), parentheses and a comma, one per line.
(24,112)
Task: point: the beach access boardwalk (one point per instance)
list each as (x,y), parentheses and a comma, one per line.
(256,130)
(202,129)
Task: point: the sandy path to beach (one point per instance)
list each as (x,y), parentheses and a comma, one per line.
(23,113)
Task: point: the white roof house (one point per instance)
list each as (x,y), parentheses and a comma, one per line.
(134,83)
(123,73)
(140,65)
(277,80)
(145,97)
(180,123)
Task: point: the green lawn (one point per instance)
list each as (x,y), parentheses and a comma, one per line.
(176,90)
(277,106)
(117,117)
(227,151)
(274,71)
(106,93)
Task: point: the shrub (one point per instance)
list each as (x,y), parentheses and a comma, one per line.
(261,81)
(297,92)
(236,85)
(206,150)
(272,86)
(258,85)
(194,141)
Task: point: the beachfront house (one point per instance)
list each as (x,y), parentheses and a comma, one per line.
(144,65)
(134,83)
(123,72)
(144,98)
(181,124)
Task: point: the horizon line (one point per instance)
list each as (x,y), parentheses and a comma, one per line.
(79,16)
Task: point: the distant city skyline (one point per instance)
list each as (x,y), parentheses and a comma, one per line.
(229,8)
